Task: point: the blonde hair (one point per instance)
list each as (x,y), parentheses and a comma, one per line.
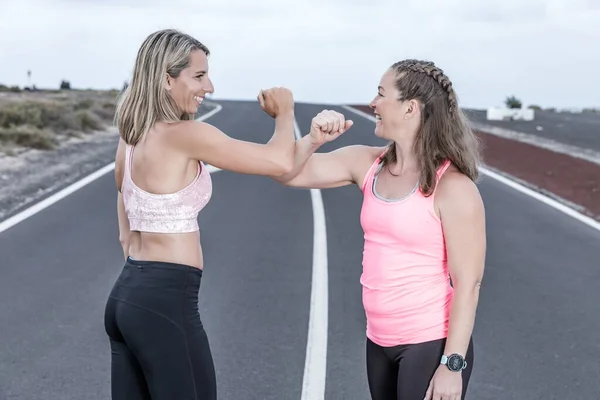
(145,100)
(445,131)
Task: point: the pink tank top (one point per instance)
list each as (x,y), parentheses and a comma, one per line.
(165,213)
(405,280)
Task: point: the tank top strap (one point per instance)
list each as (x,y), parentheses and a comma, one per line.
(371,171)
(443,168)
(440,172)
(127,169)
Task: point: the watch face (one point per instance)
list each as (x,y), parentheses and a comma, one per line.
(455,362)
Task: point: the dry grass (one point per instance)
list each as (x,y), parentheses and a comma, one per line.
(42,119)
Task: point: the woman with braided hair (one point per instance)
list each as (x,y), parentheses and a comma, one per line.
(424,230)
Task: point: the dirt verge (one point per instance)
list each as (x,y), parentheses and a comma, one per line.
(575,180)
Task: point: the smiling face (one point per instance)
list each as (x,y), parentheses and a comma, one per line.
(394,117)
(192,84)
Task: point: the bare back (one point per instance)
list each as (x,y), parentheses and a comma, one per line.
(156,166)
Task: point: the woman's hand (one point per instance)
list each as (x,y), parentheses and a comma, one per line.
(445,385)
(276,101)
(328,125)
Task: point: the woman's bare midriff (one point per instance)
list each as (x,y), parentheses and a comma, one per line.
(182,248)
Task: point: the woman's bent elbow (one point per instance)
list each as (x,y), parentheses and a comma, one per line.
(282,167)
(124,242)
(287,166)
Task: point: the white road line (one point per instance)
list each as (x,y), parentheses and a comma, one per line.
(36,208)
(517,186)
(544,199)
(315,364)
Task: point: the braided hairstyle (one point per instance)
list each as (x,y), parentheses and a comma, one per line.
(445,132)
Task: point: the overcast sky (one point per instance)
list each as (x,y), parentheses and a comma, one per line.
(330,51)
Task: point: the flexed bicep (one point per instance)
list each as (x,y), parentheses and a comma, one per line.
(207,143)
(337,168)
(204,142)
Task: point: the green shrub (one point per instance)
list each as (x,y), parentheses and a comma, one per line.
(84,104)
(39,119)
(28,136)
(513,102)
(88,121)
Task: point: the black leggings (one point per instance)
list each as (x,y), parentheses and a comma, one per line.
(159,347)
(403,372)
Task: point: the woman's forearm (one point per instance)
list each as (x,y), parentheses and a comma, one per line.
(462,318)
(303,150)
(125,246)
(283,140)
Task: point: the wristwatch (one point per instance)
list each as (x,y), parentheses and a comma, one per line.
(454,362)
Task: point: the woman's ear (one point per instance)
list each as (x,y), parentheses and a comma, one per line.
(168,82)
(412,109)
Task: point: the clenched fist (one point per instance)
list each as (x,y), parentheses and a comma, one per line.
(276,101)
(328,125)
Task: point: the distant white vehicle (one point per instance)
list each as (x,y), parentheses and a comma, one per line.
(510,114)
(572,110)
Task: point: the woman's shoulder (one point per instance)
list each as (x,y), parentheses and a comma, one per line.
(186,135)
(376,151)
(363,156)
(368,154)
(363,161)
(457,191)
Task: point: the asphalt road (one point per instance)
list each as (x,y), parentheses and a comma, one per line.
(536,330)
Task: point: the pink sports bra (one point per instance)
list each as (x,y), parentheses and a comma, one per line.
(165,213)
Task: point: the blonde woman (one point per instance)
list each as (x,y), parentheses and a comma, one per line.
(159,347)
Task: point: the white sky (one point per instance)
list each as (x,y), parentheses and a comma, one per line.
(545,52)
